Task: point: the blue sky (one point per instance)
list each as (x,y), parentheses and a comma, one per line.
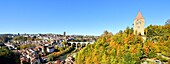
(86,17)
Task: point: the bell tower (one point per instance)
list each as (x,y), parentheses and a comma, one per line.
(139,24)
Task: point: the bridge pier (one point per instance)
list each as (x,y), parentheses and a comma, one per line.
(81,44)
(71,44)
(86,44)
(76,45)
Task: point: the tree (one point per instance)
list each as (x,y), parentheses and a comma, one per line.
(5,38)
(8,57)
(21,38)
(167,22)
(26,46)
(105,32)
(64,43)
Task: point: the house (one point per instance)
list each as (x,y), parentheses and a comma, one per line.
(69,60)
(35,60)
(57,62)
(50,49)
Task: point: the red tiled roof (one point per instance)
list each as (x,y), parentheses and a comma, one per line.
(139,16)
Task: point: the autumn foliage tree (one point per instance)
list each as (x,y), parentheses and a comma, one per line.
(126,48)
(111,49)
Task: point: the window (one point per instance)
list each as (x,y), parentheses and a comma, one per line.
(138,27)
(138,22)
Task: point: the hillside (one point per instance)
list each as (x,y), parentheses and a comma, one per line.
(127,48)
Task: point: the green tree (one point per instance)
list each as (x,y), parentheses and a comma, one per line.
(8,57)
(64,43)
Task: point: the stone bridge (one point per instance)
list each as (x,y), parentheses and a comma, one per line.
(81,43)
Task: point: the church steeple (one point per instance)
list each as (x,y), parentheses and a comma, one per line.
(139,16)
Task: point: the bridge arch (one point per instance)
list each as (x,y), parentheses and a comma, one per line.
(81,43)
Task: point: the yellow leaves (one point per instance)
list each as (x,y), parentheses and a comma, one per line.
(115,45)
(104,58)
(151,44)
(126,40)
(101,48)
(134,51)
(112,44)
(95,60)
(88,60)
(146,50)
(109,52)
(118,49)
(157,50)
(138,45)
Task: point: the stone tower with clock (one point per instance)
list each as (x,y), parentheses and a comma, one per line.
(139,24)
